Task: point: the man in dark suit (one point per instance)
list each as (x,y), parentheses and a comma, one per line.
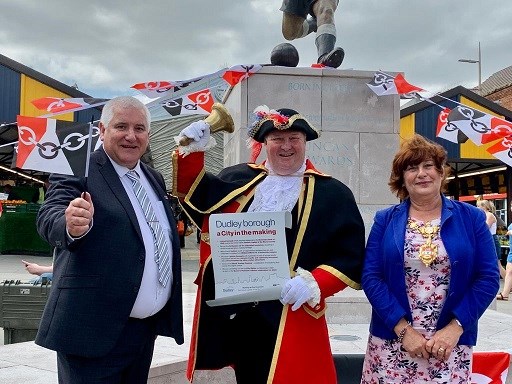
(117,273)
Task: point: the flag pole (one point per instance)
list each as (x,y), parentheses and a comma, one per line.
(87,158)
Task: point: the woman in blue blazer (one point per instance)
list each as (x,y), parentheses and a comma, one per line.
(430,272)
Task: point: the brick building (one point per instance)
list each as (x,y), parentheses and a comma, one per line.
(498,88)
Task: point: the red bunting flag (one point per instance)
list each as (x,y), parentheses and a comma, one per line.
(154,88)
(166,90)
(237,73)
(194,96)
(490,367)
(384,84)
(403,87)
(54,146)
(480,127)
(502,150)
(197,103)
(448,131)
(56,105)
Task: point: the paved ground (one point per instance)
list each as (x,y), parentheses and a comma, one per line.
(347,316)
(12,268)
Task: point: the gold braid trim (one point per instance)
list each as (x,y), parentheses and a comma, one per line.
(174,160)
(242,201)
(279,126)
(301,201)
(277,348)
(227,198)
(198,298)
(194,185)
(303,221)
(261,167)
(314,314)
(333,271)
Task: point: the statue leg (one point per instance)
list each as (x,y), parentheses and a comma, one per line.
(328,54)
(325,41)
(295,27)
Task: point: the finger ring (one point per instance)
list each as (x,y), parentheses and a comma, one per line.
(418,355)
(441,350)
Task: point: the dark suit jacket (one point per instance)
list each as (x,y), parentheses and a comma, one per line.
(97,278)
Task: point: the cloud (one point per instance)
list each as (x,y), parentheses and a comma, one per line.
(107,46)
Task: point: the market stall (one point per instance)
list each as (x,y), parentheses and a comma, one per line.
(18,234)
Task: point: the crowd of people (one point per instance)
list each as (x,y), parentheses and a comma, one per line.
(428,266)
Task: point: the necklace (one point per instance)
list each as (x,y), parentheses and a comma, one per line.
(428,251)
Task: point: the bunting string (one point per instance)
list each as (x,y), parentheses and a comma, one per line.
(457,124)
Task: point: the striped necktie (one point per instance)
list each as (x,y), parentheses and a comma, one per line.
(162,258)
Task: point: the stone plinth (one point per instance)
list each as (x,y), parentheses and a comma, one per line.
(359,131)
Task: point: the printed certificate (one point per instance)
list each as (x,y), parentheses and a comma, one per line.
(249,255)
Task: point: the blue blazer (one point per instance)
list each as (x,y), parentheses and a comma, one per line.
(474,279)
(96,278)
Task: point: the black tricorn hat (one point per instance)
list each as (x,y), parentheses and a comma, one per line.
(281,119)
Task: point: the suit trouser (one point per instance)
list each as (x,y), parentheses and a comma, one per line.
(127,363)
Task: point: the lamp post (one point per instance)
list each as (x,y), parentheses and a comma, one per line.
(479,61)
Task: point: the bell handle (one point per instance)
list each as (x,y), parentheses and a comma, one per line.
(218,120)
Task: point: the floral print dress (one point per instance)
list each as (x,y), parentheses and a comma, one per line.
(386,361)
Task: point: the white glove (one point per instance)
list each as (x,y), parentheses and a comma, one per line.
(296,291)
(197,131)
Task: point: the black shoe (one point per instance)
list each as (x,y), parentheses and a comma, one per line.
(332,59)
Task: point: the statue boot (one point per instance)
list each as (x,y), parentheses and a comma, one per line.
(329,55)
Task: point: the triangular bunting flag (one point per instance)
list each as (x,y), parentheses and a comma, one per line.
(403,87)
(238,73)
(384,84)
(480,127)
(502,150)
(58,105)
(448,131)
(197,103)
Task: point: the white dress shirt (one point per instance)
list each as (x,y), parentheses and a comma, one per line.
(152,296)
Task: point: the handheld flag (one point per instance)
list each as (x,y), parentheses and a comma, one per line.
(54,146)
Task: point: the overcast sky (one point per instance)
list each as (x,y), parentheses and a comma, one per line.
(105,46)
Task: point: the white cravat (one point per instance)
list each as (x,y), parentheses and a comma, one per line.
(278,193)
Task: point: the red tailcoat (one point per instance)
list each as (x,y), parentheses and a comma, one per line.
(326,238)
